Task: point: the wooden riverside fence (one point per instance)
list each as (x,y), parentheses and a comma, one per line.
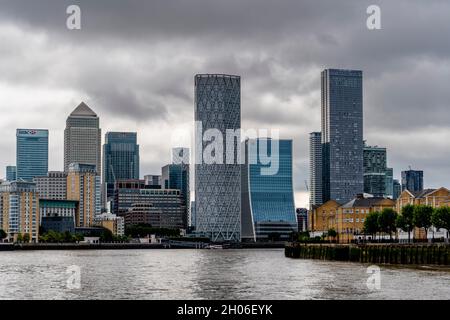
(420,254)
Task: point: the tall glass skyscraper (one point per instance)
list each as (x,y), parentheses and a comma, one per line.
(342,134)
(268,209)
(389,183)
(375,170)
(412,180)
(82,138)
(120,159)
(31,153)
(397,189)
(176,176)
(218,185)
(315,169)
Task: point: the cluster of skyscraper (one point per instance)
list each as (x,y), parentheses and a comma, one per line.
(234,201)
(341,164)
(76,197)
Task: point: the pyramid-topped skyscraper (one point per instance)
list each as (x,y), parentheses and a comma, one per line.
(82,138)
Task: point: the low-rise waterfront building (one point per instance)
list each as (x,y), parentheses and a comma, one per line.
(351,216)
(19,210)
(58,224)
(159,208)
(431,197)
(323,218)
(58,215)
(111,222)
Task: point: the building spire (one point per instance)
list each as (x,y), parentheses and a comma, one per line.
(83,110)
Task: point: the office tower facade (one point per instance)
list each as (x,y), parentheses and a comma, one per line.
(342,134)
(218,185)
(397,189)
(52,186)
(176,176)
(389,183)
(412,180)
(120,160)
(193,221)
(11,173)
(31,153)
(302,219)
(268,210)
(126,192)
(19,210)
(157,207)
(375,171)
(152,180)
(82,138)
(83,185)
(315,168)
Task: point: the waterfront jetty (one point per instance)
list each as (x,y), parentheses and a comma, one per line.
(402,254)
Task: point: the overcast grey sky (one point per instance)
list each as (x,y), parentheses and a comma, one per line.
(134,63)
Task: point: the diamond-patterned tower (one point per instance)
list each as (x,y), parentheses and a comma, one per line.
(218,185)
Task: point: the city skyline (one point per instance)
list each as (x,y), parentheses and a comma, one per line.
(281,82)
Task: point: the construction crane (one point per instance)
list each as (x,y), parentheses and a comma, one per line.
(306,185)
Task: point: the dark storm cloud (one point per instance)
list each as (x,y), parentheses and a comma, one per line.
(135,60)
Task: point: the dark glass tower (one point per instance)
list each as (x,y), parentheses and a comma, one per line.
(268,209)
(375,171)
(342,134)
(32,153)
(315,169)
(120,159)
(176,176)
(11,173)
(412,180)
(217,185)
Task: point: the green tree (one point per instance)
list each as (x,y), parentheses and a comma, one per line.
(441,218)
(3,234)
(386,221)
(332,233)
(19,238)
(405,220)
(422,217)
(106,236)
(26,237)
(68,237)
(78,237)
(371,225)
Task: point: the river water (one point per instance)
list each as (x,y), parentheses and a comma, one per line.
(204,274)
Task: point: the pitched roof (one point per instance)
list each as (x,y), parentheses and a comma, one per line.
(83,110)
(421,194)
(365,202)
